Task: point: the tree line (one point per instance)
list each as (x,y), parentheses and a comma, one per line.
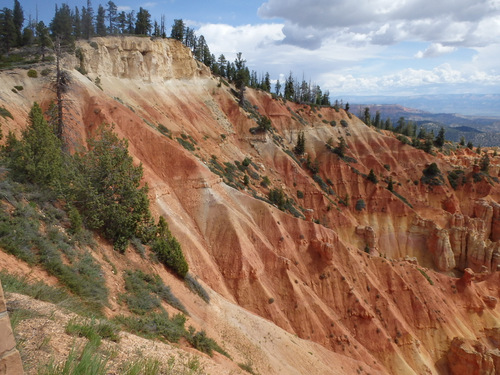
(70,24)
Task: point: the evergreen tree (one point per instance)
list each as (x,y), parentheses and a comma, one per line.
(37,157)
(106,188)
(122,22)
(241,75)
(112,10)
(8,35)
(347,107)
(366,116)
(439,141)
(326,98)
(18,19)
(100,26)
(77,24)
(462,141)
(289,92)
(300,147)
(266,84)
(377,122)
(143,22)
(178,30)
(44,40)
(371,177)
(277,88)
(484,164)
(221,62)
(88,21)
(131,20)
(390,185)
(62,24)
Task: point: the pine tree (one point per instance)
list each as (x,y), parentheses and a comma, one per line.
(366,116)
(100,26)
(88,21)
(178,30)
(143,22)
(37,157)
(289,90)
(62,24)
(112,17)
(44,40)
(106,188)
(439,141)
(18,19)
(8,35)
(300,147)
(371,177)
(77,24)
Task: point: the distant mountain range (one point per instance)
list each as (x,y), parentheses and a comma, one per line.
(464,104)
(481,129)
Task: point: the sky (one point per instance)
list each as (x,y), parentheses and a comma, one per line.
(363,47)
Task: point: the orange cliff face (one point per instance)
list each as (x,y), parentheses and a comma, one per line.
(397,307)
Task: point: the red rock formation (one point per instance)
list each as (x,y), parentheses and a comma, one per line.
(395,316)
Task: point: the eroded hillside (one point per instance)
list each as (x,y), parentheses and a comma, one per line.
(368,279)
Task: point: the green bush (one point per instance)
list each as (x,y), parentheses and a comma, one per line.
(300,194)
(344,123)
(169,252)
(155,325)
(32,73)
(4,112)
(94,330)
(360,205)
(145,293)
(19,88)
(196,287)
(45,72)
(106,189)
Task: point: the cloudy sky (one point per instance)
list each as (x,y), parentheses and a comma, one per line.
(364,47)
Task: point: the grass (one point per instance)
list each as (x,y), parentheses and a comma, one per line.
(145,293)
(21,235)
(154,325)
(424,274)
(94,330)
(196,287)
(39,290)
(87,361)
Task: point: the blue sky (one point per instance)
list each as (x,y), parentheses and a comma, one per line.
(367,47)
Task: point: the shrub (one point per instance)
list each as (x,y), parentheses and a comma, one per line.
(169,252)
(432,175)
(145,293)
(186,144)
(106,189)
(344,123)
(333,123)
(360,204)
(32,73)
(300,194)
(196,287)
(19,88)
(265,182)
(45,72)
(456,178)
(4,112)
(371,177)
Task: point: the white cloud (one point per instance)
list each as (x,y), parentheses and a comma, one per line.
(463,22)
(435,50)
(124,8)
(410,80)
